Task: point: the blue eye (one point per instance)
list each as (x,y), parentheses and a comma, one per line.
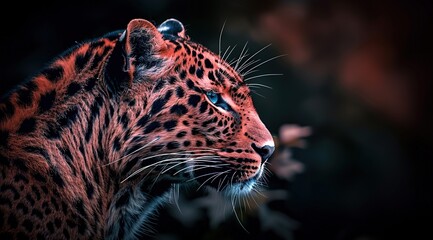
(213,97)
(217,100)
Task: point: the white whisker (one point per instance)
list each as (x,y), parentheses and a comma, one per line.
(220,38)
(264,62)
(193,153)
(225,52)
(176,194)
(200,176)
(193,160)
(227,57)
(252,197)
(221,183)
(232,61)
(141,148)
(213,177)
(170,161)
(255,92)
(192,166)
(236,215)
(242,204)
(247,200)
(219,175)
(157,176)
(258,85)
(255,54)
(244,66)
(263,75)
(231,180)
(241,56)
(258,192)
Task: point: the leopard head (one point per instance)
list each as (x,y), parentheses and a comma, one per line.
(190,113)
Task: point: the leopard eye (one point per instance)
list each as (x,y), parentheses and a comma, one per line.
(217,100)
(213,97)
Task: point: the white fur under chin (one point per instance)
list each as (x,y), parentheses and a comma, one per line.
(246,187)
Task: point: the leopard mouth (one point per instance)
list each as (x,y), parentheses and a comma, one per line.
(228,180)
(227,174)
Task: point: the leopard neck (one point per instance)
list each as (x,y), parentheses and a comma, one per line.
(60,115)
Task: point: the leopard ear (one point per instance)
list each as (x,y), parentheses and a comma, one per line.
(144,48)
(173,28)
(141,53)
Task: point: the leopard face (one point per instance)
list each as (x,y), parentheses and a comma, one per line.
(197,117)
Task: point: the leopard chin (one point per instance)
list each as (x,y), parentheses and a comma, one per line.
(227,181)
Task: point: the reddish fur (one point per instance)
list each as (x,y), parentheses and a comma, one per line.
(75,185)
(85,170)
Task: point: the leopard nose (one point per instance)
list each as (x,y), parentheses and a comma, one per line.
(265,152)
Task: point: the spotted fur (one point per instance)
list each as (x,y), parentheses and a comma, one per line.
(91,145)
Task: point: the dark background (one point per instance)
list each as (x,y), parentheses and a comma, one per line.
(359,73)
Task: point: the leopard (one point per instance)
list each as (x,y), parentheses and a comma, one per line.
(93,144)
